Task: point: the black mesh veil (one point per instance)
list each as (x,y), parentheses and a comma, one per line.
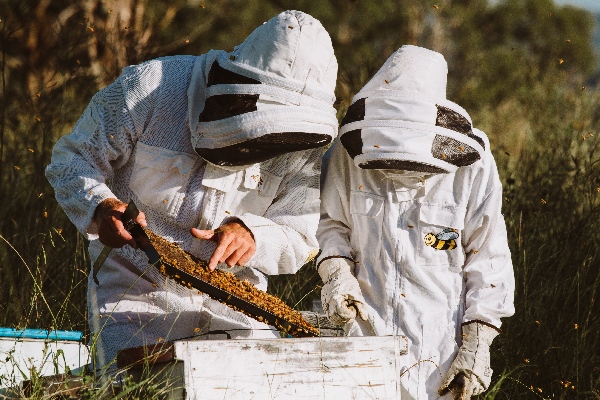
(251,151)
(263,148)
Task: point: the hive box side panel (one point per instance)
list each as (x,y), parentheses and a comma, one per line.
(19,356)
(307,368)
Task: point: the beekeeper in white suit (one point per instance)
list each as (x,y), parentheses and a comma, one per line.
(411,231)
(229,140)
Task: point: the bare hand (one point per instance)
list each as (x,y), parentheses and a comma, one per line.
(235,244)
(111,231)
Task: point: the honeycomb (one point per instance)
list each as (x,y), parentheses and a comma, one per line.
(172,254)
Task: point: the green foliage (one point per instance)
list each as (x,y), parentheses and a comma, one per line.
(299,290)
(518,66)
(552,209)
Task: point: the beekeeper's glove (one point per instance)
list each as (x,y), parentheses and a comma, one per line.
(341,295)
(470,373)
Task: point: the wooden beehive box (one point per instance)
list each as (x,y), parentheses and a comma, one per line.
(300,368)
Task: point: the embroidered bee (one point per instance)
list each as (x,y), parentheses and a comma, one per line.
(445,240)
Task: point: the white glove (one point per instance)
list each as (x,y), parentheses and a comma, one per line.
(341,295)
(470,373)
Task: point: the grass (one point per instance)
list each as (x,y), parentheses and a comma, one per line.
(550,168)
(550,347)
(546,142)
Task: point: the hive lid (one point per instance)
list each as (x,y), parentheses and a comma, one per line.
(40,334)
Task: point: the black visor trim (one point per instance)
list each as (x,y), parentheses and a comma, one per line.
(221,76)
(356,112)
(402,166)
(352,142)
(454,152)
(227,105)
(263,148)
(450,119)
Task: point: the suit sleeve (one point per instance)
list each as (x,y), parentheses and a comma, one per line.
(82,161)
(488,268)
(335,224)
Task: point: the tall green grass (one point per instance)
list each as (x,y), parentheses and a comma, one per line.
(550,167)
(545,137)
(547,148)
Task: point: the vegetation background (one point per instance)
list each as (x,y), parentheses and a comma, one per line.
(524,69)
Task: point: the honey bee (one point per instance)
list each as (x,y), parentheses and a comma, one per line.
(445,240)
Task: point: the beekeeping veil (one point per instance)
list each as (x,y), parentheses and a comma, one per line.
(272,95)
(401,119)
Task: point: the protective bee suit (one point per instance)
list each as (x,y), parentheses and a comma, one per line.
(413,241)
(195,141)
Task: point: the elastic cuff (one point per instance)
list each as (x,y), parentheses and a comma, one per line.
(483,323)
(328,257)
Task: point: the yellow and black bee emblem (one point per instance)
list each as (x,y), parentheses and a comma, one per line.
(445,240)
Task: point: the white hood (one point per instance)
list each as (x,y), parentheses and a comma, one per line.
(281,79)
(402,120)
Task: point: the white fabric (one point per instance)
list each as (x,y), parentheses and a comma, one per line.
(410,65)
(292,56)
(410,288)
(472,361)
(340,295)
(133,141)
(401,108)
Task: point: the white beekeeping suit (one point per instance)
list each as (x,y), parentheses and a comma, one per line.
(410,207)
(195,141)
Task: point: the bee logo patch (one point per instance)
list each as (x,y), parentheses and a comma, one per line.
(445,240)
